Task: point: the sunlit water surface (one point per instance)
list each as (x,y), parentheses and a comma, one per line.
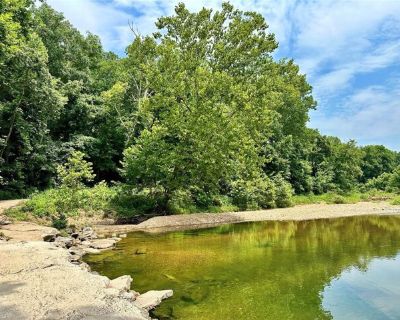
(322,269)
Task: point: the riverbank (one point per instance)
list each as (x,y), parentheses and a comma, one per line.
(47,280)
(297,213)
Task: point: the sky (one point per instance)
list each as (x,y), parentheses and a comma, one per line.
(349,50)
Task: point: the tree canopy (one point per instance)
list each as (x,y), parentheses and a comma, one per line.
(197,111)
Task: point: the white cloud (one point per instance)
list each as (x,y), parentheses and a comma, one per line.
(104,20)
(371,114)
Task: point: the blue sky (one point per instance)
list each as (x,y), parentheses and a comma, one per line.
(350,51)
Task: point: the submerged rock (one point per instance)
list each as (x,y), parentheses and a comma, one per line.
(102,243)
(152,298)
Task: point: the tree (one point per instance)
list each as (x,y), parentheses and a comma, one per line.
(212,93)
(377,160)
(28,100)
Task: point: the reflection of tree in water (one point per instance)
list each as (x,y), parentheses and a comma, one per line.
(270,270)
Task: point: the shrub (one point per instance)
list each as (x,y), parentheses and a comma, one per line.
(283,192)
(181,202)
(255,194)
(129,202)
(75,171)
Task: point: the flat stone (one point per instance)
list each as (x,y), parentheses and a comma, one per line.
(121,283)
(152,298)
(91,250)
(102,244)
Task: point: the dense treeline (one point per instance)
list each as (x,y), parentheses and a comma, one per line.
(196,115)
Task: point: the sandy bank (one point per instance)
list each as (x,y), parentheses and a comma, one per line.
(303,212)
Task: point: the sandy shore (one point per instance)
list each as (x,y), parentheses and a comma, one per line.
(302,212)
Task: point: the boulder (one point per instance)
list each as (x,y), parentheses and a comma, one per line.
(152,298)
(123,235)
(63,242)
(102,244)
(50,235)
(87,234)
(121,283)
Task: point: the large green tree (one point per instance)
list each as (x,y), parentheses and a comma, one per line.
(207,97)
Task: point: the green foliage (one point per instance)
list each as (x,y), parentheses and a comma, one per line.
(376,161)
(197,117)
(75,171)
(335,198)
(254,194)
(283,192)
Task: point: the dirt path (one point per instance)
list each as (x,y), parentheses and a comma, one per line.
(303,212)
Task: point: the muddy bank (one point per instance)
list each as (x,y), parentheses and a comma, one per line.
(302,212)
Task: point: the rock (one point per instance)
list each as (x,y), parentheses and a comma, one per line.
(121,283)
(87,234)
(91,250)
(102,244)
(84,266)
(75,235)
(50,235)
(112,292)
(63,242)
(124,235)
(130,295)
(114,235)
(152,298)
(4,221)
(86,243)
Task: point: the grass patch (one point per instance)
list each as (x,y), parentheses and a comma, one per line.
(395,201)
(335,198)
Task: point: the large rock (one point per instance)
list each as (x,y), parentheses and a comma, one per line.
(121,283)
(27,231)
(37,281)
(102,243)
(87,234)
(152,298)
(50,235)
(63,242)
(4,220)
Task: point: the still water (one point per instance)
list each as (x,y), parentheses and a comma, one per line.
(345,268)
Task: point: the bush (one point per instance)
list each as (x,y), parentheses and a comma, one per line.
(59,204)
(129,203)
(253,195)
(181,202)
(379,183)
(283,192)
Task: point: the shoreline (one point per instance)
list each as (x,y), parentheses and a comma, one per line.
(296,213)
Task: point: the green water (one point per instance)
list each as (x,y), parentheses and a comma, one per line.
(325,269)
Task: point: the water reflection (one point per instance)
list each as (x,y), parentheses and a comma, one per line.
(268,270)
